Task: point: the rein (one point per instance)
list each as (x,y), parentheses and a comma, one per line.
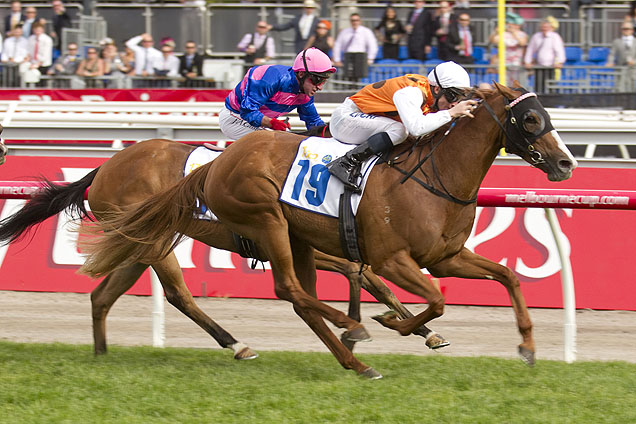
(445,194)
(514,119)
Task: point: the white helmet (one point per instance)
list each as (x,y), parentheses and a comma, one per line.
(449,75)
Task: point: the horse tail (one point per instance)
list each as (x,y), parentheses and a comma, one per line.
(50,200)
(147,233)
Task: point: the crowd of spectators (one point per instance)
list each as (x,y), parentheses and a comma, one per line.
(439,33)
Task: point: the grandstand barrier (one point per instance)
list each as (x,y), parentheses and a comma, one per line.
(490,197)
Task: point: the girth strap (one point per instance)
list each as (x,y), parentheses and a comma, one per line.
(347,228)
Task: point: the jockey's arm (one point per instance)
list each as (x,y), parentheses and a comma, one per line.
(408,101)
(309,115)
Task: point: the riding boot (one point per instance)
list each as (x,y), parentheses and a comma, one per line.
(347,168)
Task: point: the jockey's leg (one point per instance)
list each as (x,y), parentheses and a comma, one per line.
(374,135)
(347,168)
(233,126)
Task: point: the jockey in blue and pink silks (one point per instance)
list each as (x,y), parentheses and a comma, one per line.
(270,91)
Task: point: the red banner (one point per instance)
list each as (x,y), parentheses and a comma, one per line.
(149,95)
(600,247)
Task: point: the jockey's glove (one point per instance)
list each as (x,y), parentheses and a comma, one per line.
(279,125)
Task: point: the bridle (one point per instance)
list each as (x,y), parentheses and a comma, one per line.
(518,138)
(514,123)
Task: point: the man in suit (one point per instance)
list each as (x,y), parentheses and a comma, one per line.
(304,25)
(190,64)
(623,53)
(14,18)
(443,21)
(418,24)
(460,40)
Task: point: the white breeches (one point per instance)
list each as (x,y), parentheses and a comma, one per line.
(233,126)
(349,125)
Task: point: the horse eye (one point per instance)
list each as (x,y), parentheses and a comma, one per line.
(533,123)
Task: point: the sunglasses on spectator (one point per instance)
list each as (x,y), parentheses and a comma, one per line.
(624,28)
(321,27)
(91,52)
(355,20)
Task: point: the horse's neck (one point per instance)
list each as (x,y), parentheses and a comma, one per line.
(465,155)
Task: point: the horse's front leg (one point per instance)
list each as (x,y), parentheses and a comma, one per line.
(467,264)
(402,270)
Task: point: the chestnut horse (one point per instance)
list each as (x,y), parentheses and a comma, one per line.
(135,174)
(419,217)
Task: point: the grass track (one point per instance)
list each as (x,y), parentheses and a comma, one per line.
(42,383)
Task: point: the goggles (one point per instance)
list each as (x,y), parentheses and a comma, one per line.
(452,94)
(318,79)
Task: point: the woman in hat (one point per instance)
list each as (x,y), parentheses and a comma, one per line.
(515,41)
(321,38)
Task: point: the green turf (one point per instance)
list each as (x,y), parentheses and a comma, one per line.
(63,383)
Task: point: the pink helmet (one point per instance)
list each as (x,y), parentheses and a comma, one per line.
(314,61)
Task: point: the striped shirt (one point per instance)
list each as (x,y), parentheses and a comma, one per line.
(272,91)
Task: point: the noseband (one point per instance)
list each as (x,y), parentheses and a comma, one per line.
(518,138)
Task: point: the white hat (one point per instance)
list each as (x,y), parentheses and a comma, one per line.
(449,74)
(310,3)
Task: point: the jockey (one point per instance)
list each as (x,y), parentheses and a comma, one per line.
(383,114)
(269,91)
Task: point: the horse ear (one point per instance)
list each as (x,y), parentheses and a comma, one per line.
(505,91)
(516,84)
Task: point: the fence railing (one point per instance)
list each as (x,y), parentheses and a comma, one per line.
(104,127)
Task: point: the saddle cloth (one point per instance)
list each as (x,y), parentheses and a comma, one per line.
(310,186)
(199,157)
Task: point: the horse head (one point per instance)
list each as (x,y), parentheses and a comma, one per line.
(528,133)
(3,149)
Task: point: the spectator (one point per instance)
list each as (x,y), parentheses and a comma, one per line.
(16,17)
(190,64)
(389,32)
(30,18)
(60,20)
(15,48)
(145,54)
(460,40)
(623,53)
(127,61)
(40,49)
(443,21)
(402,106)
(321,39)
(270,91)
(356,39)
(109,55)
(91,67)
(167,65)
(258,46)
(304,25)
(545,53)
(68,63)
(418,28)
(515,41)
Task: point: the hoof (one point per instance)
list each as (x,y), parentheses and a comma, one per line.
(349,344)
(358,334)
(436,341)
(245,354)
(526,355)
(386,317)
(371,374)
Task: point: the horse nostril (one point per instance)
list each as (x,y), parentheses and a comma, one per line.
(566,165)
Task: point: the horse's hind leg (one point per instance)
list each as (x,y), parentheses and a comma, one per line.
(306,271)
(104,296)
(467,264)
(177,293)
